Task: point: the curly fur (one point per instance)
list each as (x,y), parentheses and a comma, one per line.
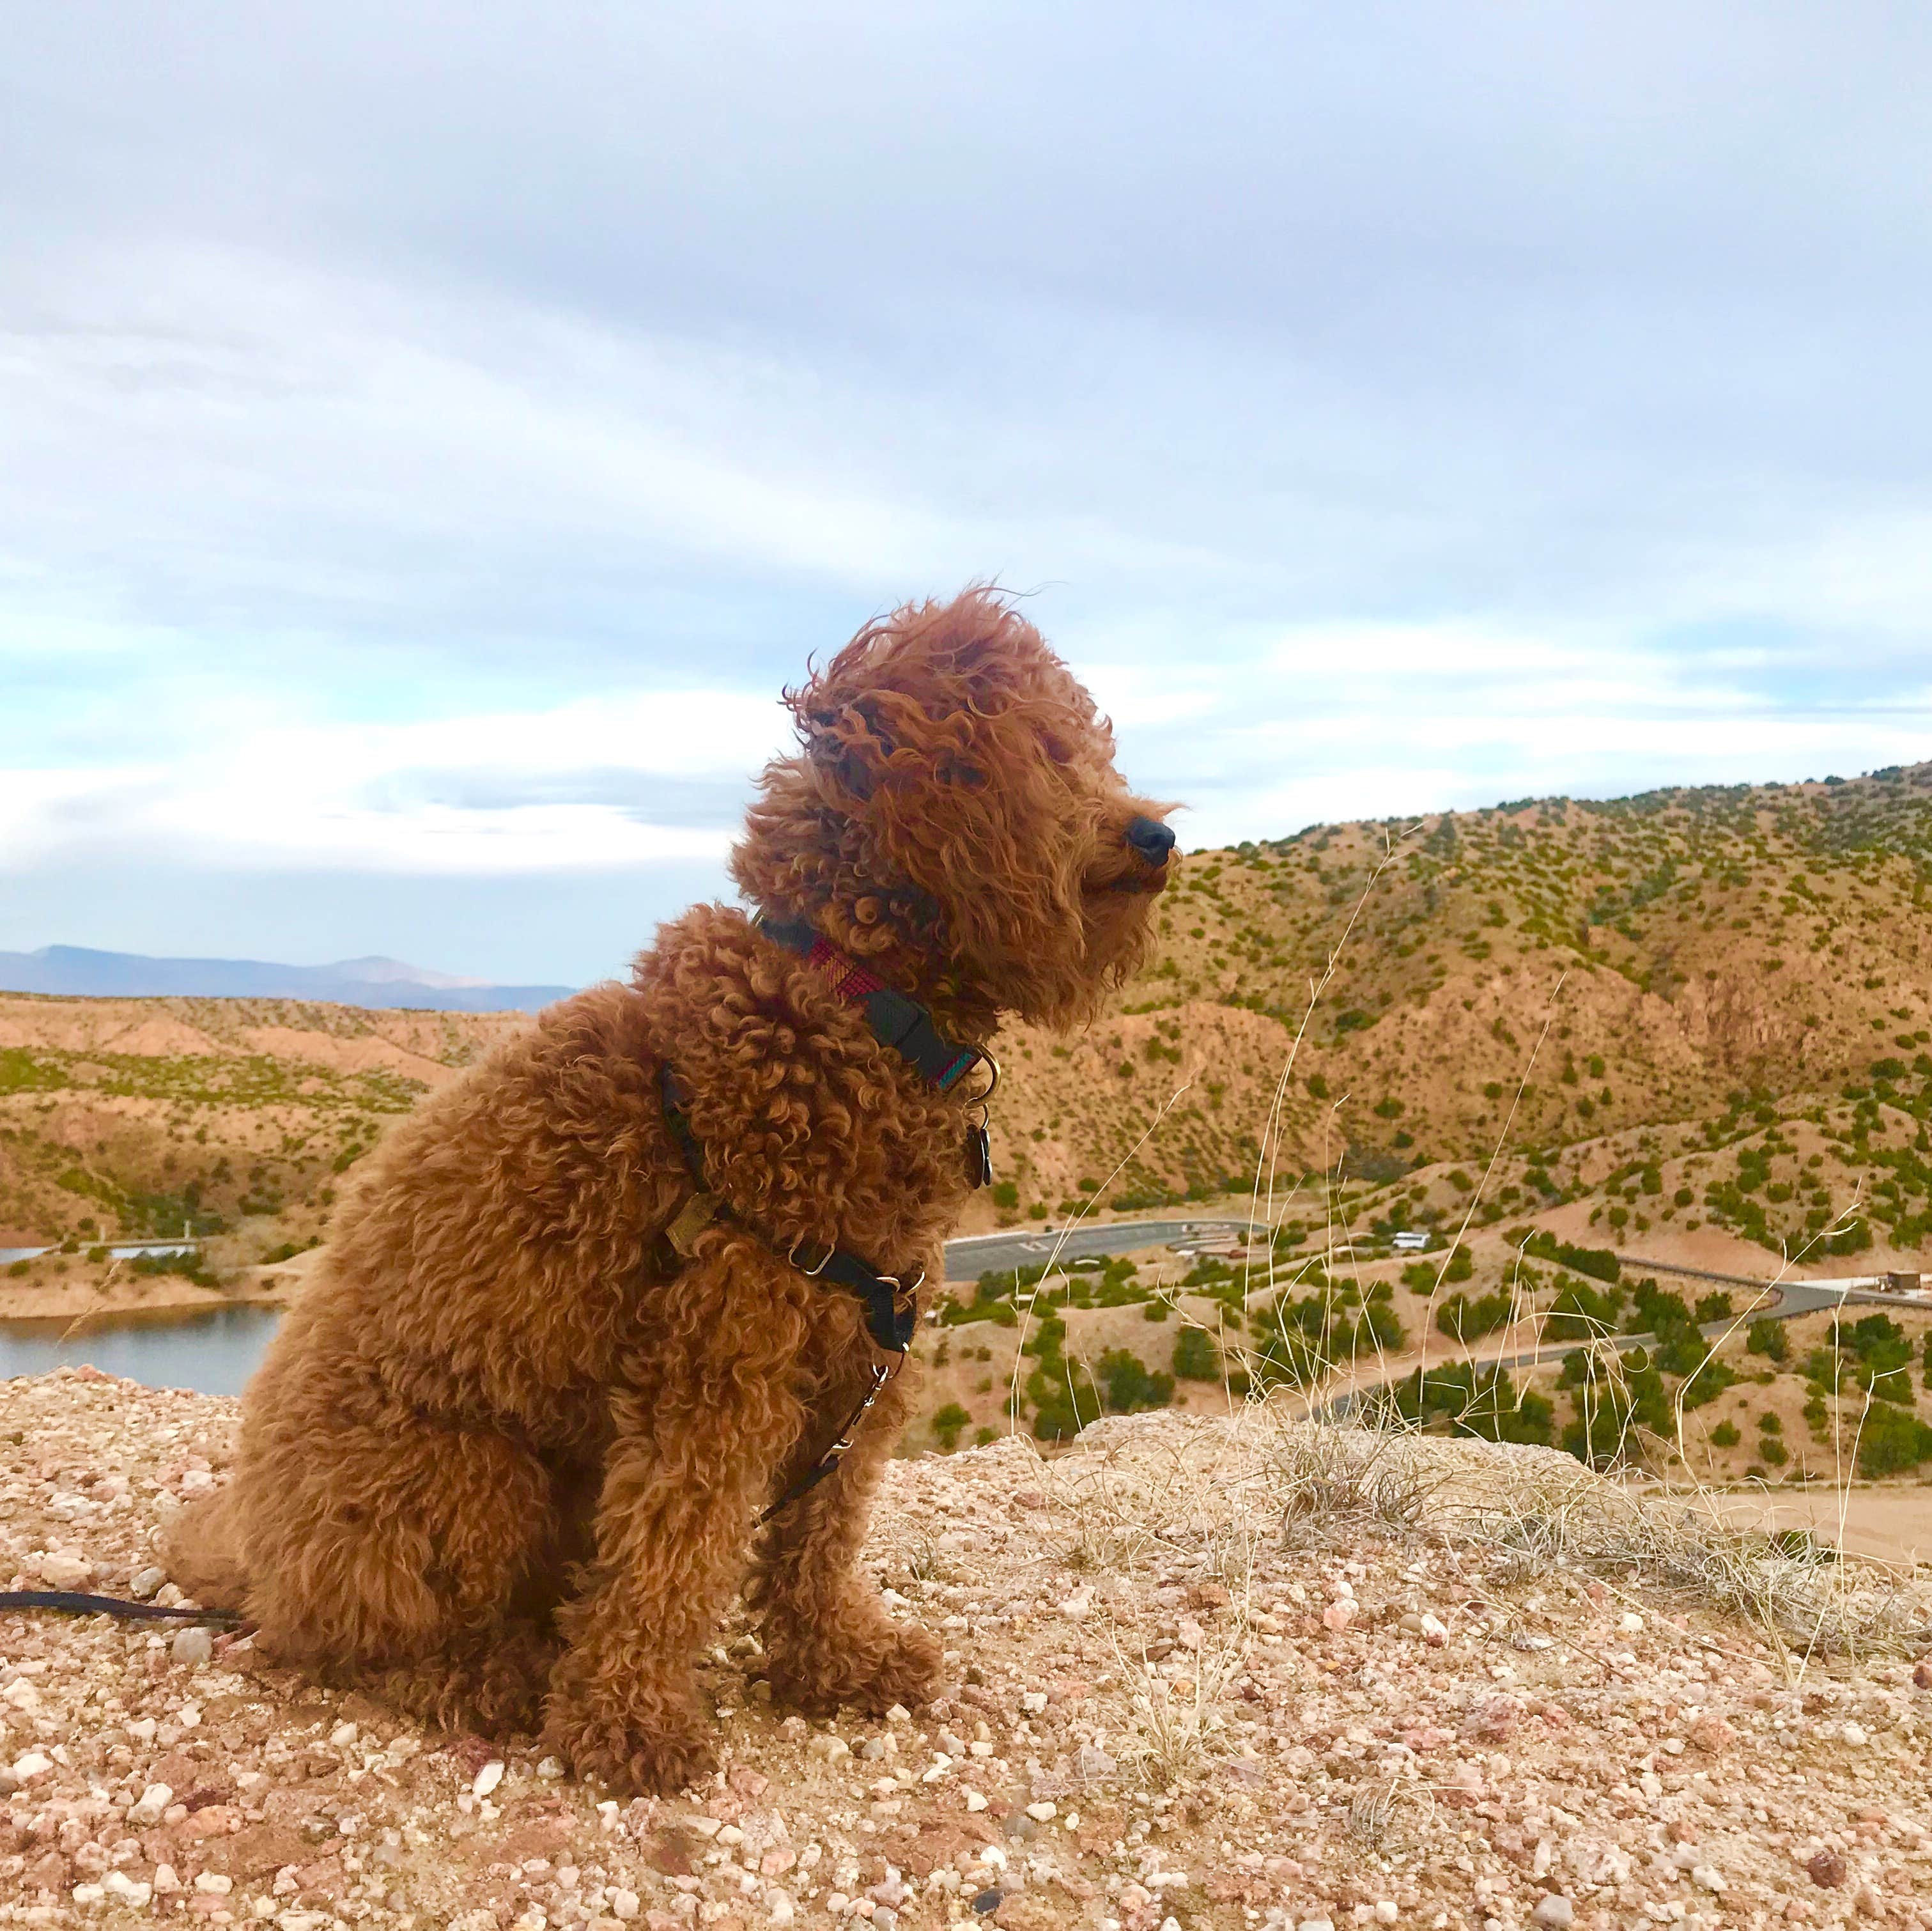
(502,1462)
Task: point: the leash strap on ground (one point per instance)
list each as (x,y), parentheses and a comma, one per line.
(72,1602)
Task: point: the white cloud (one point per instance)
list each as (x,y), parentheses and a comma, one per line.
(337,797)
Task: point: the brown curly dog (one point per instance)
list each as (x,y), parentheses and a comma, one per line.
(505,1461)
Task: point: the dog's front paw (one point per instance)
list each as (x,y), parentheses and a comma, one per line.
(890,1663)
(632,1762)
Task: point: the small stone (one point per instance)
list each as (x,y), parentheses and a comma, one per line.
(885,1918)
(1630,1622)
(1856,1734)
(550,1769)
(64,1570)
(779,1907)
(33,1765)
(1711,1734)
(146,1582)
(623,1904)
(1826,1869)
(1386,1912)
(1316,1924)
(988,1901)
(213,1884)
(1921,1676)
(1042,1812)
(342,1736)
(487,1778)
(1337,1617)
(165,1880)
(194,1647)
(147,1808)
(1555,1913)
(975,1800)
(1708,1877)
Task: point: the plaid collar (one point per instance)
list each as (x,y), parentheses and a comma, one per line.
(896,1021)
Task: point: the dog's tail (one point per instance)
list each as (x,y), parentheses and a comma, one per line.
(202,1550)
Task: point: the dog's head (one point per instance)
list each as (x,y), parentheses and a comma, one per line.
(953,814)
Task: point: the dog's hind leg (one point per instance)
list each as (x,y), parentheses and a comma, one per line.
(391,1555)
(701,1422)
(826,1633)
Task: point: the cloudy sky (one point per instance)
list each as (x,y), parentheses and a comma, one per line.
(429,436)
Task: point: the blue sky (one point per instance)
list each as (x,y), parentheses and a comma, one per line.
(429,438)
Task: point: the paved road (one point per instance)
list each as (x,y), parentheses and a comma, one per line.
(1028,1247)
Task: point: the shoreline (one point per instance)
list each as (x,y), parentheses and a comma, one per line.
(162,1296)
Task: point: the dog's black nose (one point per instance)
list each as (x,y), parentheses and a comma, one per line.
(1151,838)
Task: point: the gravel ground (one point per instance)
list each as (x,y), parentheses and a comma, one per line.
(1176,1701)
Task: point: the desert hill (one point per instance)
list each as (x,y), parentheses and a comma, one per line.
(1695,955)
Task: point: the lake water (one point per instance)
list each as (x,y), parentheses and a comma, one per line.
(213,1350)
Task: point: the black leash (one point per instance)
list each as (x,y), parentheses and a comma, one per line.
(828,1463)
(72,1602)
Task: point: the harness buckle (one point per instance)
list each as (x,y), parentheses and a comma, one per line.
(697,1214)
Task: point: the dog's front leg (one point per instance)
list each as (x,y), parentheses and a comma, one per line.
(708,1414)
(826,1631)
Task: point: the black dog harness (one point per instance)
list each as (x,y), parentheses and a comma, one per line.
(891,1302)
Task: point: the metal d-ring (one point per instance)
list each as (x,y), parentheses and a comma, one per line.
(810,1273)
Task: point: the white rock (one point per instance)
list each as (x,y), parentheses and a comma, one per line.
(1856,1733)
(142,1729)
(21,1694)
(1033,1702)
(89,1893)
(342,1736)
(1386,1912)
(146,1582)
(899,1714)
(1042,1812)
(1555,1914)
(550,1770)
(974,1800)
(65,1569)
(32,1765)
(1316,1924)
(212,1884)
(1708,1877)
(1630,1622)
(487,1778)
(778,1907)
(148,1807)
(195,1647)
(129,1890)
(623,1904)
(165,1879)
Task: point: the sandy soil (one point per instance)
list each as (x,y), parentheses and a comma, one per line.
(1162,1710)
(1892,1524)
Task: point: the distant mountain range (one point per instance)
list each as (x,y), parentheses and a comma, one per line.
(77,971)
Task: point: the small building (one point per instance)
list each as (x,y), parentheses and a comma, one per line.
(1412,1241)
(1896,1283)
